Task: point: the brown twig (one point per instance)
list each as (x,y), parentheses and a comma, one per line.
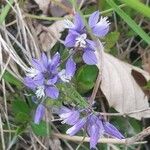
(125,114)
(129,141)
(99,51)
(140,136)
(101,140)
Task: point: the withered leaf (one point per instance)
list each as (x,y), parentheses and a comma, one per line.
(119,86)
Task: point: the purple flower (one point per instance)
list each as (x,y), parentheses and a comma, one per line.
(93,124)
(76,127)
(95,130)
(43,76)
(66,74)
(75,39)
(45,73)
(69,116)
(112,130)
(99,26)
(77,25)
(77,36)
(40,111)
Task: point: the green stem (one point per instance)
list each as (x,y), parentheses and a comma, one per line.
(43,17)
(61,18)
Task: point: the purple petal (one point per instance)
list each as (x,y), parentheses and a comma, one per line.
(94,136)
(101,28)
(70,68)
(112,130)
(78,22)
(62,76)
(72,118)
(95,129)
(54,63)
(93,19)
(55,59)
(37,64)
(89,57)
(63,110)
(70,40)
(77,127)
(52,92)
(39,113)
(29,83)
(39,79)
(53,80)
(44,60)
(91,44)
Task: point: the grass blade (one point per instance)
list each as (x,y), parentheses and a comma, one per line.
(138,6)
(129,21)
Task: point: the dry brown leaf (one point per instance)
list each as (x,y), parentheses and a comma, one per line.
(48,36)
(60,10)
(43,5)
(120,88)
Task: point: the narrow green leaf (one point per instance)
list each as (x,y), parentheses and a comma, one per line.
(70,94)
(5,11)
(41,129)
(129,21)
(11,79)
(138,6)
(20,106)
(22,118)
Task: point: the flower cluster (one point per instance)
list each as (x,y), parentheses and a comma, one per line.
(43,76)
(78,38)
(93,123)
(45,73)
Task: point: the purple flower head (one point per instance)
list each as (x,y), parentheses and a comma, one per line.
(93,124)
(43,76)
(95,130)
(40,111)
(77,40)
(77,36)
(45,73)
(99,26)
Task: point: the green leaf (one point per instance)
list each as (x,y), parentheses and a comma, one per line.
(22,117)
(129,21)
(85,78)
(147,85)
(41,129)
(138,6)
(12,80)
(69,94)
(20,106)
(20,129)
(111,40)
(5,11)
(113,51)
